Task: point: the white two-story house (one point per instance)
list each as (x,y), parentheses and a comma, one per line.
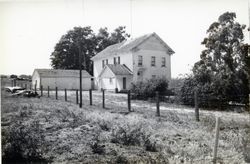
(145,57)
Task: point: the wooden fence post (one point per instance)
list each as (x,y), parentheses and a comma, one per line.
(196,106)
(103,98)
(48,91)
(65,90)
(35,88)
(249,102)
(157,104)
(56,93)
(14,81)
(30,86)
(80,98)
(90,97)
(129,102)
(25,86)
(77,96)
(217,128)
(41,88)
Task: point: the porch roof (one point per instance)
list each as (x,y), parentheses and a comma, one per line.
(117,69)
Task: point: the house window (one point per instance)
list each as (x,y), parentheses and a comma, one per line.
(107,61)
(110,81)
(114,60)
(163,62)
(139,60)
(119,60)
(103,64)
(153,61)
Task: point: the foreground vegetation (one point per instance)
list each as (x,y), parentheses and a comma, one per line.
(48,130)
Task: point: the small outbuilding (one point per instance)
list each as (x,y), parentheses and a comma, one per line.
(62,79)
(115,76)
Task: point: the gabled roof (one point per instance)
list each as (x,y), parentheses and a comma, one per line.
(61,73)
(117,69)
(128,45)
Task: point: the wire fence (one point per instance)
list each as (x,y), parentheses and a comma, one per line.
(238,103)
(100,100)
(207,100)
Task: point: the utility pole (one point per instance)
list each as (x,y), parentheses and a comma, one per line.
(249,18)
(80,68)
(131,18)
(248,56)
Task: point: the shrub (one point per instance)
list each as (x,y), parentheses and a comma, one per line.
(210,95)
(127,135)
(149,144)
(246,144)
(135,135)
(96,147)
(187,91)
(104,125)
(13,76)
(23,142)
(175,86)
(121,159)
(146,89)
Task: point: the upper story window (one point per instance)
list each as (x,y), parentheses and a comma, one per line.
(103,64)
(107,61)
(139,60)
(163,62)
(153,61)
(119,60)
(114,60)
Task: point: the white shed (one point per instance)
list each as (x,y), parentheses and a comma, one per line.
(62,79)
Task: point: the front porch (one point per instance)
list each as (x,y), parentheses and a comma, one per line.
(117,83)
(115,78)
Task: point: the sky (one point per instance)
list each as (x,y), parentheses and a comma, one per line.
(29,29)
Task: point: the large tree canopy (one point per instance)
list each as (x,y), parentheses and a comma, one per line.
(83,41)
(222,71)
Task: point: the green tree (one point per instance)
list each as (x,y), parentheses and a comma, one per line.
(83,41)
(118,35)
(66,51)
(222,70)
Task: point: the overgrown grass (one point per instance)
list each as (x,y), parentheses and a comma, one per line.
(61,132)
(23,142)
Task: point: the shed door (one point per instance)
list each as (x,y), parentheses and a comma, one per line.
(124,82)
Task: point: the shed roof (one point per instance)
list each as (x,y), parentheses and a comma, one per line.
(118,69)
(62,73)
(128,45)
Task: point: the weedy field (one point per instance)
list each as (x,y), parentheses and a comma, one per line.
(47,130)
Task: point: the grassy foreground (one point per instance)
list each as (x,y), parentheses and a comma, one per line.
(49,130)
